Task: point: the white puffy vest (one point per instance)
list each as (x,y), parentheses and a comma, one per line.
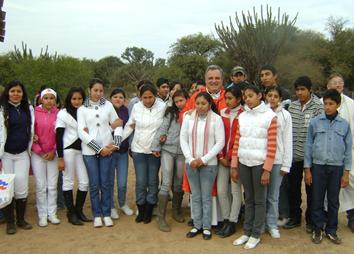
(254,124)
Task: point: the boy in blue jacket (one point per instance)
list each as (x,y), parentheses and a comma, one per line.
(327,162)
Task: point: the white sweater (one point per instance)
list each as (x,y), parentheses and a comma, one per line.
(96,119)
(147,121)
(284,153)
(216,139)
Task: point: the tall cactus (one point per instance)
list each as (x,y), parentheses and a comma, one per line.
(256,39)
(26,54)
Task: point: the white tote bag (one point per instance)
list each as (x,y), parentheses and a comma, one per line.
(7,183)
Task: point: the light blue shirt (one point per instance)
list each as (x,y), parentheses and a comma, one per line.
(328,142)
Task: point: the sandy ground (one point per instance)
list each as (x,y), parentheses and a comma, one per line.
(129,237)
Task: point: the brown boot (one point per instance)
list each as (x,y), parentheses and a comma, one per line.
(161,218)
(10,218)
(177,213)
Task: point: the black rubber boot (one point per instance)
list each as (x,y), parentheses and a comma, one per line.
(141,214)
(10,218)
(148,213)
(161,218)
(71,212)
(229,230)
(80,201)
(177,213)
(21,205)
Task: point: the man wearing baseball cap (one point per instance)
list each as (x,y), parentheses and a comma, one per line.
(238,76)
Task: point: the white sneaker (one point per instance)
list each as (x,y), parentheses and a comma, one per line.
(43,222)
(241,240)
(282,222)
(274,233)
(126,210)
(97,222)
(54,219)
(252,243)
(114,214)
(108,221)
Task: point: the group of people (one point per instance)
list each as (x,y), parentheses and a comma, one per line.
(226,146)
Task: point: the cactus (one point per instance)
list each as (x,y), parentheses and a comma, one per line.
(26,54)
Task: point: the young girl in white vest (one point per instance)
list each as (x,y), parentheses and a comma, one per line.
(70,159)
(252,160)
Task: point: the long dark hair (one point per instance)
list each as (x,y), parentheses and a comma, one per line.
(209,99)
(173,110)
(25,106)
(67,104)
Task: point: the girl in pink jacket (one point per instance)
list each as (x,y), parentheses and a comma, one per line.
(44,159)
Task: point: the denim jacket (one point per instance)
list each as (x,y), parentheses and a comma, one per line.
(328,143)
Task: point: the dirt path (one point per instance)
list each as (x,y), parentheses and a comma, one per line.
(129,237)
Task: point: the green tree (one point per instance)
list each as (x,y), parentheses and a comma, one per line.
(256,39)
(192,54)
(105,68)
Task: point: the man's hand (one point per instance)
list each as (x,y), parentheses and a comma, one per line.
(345,179)
(163,139)
(308,176)
(61,164)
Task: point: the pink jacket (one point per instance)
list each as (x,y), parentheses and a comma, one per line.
(44,128)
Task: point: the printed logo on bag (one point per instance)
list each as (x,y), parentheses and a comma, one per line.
(3,185)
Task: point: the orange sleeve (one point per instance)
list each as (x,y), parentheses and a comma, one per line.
(234,154)
(271,145)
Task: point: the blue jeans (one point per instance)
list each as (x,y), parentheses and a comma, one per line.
(273,197)
(284,209)
(119,168)
(147,178)
(201,181)
(326,178)
(99,172)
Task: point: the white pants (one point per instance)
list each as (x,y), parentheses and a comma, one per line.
(74,163)
(18,164)
(46,175)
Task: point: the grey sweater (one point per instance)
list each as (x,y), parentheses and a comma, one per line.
(172,130)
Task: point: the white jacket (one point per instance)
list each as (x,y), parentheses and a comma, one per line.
(284,153)
(3,132)
(147,121)
(254,124)
(65,120)
(94,126)
(216,139)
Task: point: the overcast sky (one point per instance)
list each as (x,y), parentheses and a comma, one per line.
(98,28)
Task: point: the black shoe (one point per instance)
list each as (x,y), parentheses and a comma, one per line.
(206,234)
(229,230)
(141,213)
(222,227)
(292,224)
(148,213)
(317,236)
(334,238)
(190,223)
(193,232)
(10,218)
(309,228)
(80,201)
(351,225)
